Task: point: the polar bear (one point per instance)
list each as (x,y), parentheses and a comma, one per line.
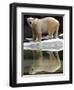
(48,25)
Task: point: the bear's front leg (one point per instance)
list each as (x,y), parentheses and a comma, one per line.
(34,36)
(39,32)
(34,32)
(39,35)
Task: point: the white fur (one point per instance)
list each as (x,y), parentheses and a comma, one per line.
(44,25)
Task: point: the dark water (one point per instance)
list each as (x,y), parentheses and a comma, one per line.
(42,62)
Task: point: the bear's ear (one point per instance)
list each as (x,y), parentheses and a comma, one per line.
(30,19)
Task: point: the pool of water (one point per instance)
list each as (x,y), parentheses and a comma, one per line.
(42,62)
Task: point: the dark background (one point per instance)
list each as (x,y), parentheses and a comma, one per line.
(27,30)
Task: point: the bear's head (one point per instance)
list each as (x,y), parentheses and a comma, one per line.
(30,21)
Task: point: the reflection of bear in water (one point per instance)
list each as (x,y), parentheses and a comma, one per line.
(45,25)
(42,65)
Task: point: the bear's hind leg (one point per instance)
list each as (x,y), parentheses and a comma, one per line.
(56,31)
(56,34)
(50,35)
